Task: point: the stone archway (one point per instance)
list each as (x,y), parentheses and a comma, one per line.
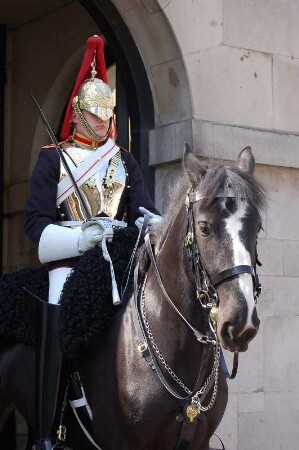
(154,77)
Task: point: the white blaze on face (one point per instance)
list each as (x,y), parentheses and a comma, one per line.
(241,256)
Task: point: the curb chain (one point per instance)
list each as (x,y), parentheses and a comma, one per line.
(215,369)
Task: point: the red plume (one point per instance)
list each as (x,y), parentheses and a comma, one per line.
(93,44)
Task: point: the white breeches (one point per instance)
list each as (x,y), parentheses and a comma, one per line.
(57,278)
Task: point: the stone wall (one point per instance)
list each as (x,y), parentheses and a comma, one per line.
(241,59)
(224,74)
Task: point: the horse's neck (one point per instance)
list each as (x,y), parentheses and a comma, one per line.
(173,264)
(174,339)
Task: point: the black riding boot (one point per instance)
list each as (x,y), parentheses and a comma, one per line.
(47,369)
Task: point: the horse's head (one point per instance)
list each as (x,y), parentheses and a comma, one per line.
(225,206)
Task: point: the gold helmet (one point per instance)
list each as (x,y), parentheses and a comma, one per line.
(95,96)
(90,93)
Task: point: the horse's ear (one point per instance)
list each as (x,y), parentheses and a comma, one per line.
(246,160)
(192,165)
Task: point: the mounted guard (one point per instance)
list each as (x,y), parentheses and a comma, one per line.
(160,371)
(80,192)
(164,378)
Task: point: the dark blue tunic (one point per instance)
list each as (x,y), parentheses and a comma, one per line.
(40,209)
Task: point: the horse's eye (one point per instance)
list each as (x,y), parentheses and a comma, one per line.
(204,228)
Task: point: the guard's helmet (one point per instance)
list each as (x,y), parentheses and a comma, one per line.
(95,96)
(91,92)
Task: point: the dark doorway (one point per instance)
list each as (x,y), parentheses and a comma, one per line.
(2,83)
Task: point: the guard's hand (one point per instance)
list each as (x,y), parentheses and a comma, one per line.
(154,219)
(90,237)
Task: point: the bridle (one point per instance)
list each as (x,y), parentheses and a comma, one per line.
(205,285)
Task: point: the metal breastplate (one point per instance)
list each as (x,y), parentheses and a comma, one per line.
(102,191)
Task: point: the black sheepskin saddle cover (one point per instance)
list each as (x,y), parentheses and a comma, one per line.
(86,302)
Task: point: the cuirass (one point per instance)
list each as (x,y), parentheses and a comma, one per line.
(101,192)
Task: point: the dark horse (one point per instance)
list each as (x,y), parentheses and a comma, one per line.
(205,252)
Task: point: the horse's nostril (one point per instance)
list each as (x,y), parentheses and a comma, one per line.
(227,331)
(248,334)
(235,339)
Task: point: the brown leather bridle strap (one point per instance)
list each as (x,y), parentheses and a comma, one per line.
(199,336)
(230,273)
(235,366)
(151,358)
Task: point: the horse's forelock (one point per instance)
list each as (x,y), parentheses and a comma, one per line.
(217,178)
(245,186)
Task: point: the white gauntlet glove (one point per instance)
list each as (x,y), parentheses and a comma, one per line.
(89,237)
(58,242)
(154,219)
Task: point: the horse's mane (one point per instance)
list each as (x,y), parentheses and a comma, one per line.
(217,178)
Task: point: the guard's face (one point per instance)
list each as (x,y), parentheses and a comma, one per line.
(98,125)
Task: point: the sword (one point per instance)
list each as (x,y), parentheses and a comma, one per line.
(64,161)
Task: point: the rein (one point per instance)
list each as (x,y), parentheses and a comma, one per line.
(199,336)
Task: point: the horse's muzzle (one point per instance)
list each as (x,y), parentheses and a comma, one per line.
(233,339)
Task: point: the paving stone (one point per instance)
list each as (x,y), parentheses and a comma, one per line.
(286,93)
(271,253)
(281,420)
(265,301)
(152,34)
(251,403)
(166,178)
(251,430)
(267,26)
(167,143)
(291,258)
(228,428)
(124,5)
(199,24)
(231,86)
(283,210)
(285,294)
(170,91)
(268,147)
(281,367)
(250,376)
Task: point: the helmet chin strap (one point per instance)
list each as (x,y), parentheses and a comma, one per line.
(90,132)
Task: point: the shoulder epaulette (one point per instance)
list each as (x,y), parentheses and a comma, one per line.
(53,146)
